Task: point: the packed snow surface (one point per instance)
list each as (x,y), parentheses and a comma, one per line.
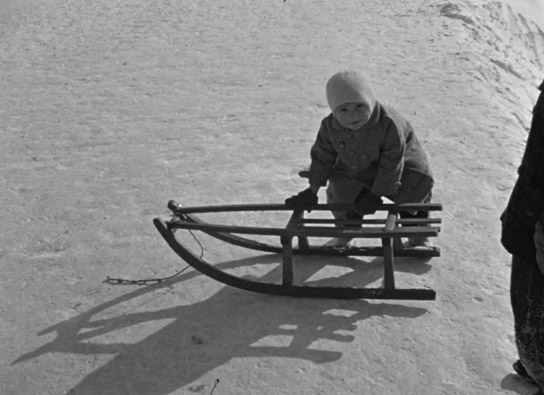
(110,108)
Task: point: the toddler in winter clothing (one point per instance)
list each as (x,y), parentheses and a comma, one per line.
(365,151)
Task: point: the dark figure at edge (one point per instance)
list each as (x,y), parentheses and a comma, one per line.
(523,237)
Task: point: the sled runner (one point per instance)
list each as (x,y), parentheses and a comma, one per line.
(389,230)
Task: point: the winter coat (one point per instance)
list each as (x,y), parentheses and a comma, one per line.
(385,156)
(526,204)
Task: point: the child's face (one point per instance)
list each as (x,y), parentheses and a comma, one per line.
(352,115)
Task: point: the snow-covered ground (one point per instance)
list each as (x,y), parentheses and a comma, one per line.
(531,9)
(110,108)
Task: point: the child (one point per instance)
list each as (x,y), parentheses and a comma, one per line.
(365,150)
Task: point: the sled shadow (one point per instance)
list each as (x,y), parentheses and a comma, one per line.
(355,272)
(203,336)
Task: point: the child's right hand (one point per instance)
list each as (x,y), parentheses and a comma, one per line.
(305,200)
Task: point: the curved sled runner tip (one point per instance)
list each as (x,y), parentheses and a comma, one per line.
(300,228)
(298,291)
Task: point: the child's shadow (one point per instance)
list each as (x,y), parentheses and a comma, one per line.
(208,334)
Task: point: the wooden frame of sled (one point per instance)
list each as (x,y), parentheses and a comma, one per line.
(390,230)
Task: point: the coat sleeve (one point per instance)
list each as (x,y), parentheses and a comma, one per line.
(323,156)
(391,163)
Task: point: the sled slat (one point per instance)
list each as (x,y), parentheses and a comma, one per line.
(312,231)
(377,221)
(178,209)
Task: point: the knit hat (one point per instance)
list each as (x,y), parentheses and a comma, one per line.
(349,86)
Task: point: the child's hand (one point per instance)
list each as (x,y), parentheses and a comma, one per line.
(305,200)
(367,202)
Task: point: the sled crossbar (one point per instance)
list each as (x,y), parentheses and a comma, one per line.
(312,231)
(178,209)
(401,221)
(389,230)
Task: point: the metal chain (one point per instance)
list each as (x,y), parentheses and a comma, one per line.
(146,281)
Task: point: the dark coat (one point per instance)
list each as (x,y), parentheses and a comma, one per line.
(526,205)
(384,156)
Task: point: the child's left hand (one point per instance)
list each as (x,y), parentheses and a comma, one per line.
(367,202)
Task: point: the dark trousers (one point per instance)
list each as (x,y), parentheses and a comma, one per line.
(527,298)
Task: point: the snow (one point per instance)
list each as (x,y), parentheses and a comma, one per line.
(108,109)
(531,9)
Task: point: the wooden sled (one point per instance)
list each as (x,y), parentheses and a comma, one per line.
(390,230)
